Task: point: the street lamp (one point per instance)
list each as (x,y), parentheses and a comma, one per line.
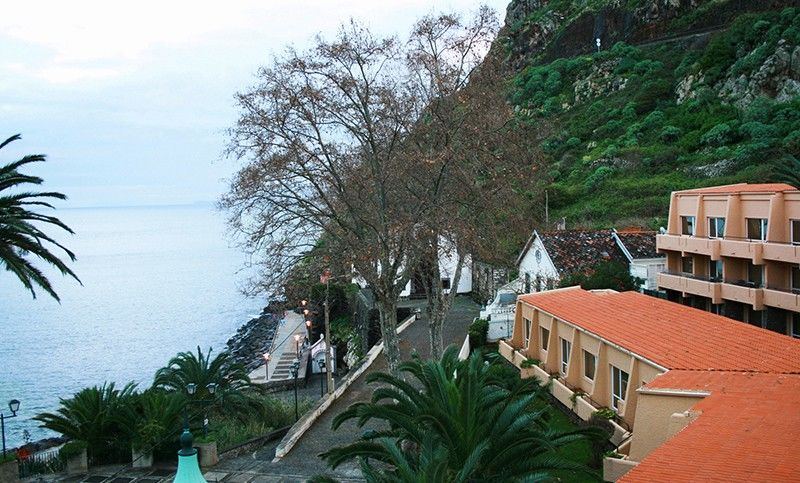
(191,389)
(297,344)
(267,358)
(308,326)
(13,405)
(321,363)
(295,369)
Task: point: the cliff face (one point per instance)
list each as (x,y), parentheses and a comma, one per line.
(680,93)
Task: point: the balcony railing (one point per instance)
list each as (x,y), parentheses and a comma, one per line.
(754,249)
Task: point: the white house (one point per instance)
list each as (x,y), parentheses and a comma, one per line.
(639,248)
(448,259)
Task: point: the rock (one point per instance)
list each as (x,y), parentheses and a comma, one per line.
(686,89)
(601,81)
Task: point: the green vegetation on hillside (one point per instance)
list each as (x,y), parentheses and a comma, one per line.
(633,124)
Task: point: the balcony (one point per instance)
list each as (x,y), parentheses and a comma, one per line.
(782,299)
(741,248)
(691,284)
(744,293)
(689,244)
(782,252)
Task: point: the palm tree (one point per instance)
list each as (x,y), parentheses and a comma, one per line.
(152,418)
(232,381)
(92,415)
(455,421)
(19,235)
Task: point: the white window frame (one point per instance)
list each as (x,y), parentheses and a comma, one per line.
(714,221)
(566,351)
(617,383)
(526,327)
(691,223)
(545,342)
(594,373)
(764,222)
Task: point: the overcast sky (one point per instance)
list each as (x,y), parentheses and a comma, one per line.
(130,100)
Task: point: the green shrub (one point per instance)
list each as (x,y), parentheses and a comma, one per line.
(530,362)
(605,413)
(669,133)
(71,449)
(596,179)
(717,135)
(478,332)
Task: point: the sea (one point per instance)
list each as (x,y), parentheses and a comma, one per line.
(155,281)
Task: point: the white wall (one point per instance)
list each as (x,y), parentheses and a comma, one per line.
(448,259)
(648,269)
(543,267)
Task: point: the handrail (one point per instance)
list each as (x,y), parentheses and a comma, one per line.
(732,238)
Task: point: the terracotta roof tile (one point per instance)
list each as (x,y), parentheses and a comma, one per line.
(671,335)
(741,188)
(574,251)
(747,431)
(640,244)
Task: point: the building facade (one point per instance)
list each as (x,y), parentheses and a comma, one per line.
(693,392)
(735,250)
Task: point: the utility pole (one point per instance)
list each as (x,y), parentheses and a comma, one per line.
(546,210)
(328,366)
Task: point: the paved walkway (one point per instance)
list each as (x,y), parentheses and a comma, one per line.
(303,462)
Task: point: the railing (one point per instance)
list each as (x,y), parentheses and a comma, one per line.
(41,463)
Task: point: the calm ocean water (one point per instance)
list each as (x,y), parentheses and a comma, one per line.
(156,281)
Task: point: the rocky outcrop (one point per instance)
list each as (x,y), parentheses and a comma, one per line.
(778,77)
(601,81)
(252,339)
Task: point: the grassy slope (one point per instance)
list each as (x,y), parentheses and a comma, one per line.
(615,158)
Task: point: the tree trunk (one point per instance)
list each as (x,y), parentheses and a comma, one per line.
(388,318)
(439,303)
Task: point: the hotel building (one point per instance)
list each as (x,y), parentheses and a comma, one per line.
(735,250)
(697,396)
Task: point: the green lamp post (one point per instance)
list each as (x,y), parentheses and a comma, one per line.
(188,467)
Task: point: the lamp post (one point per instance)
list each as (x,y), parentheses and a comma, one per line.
(191,389)
(308,329)
(13,405)
(295,368)
(297,344)
(267,358)
(321,363)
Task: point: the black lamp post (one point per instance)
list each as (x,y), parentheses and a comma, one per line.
(321,363)
(267,358)
(13,405)
(295,370)
(191,389)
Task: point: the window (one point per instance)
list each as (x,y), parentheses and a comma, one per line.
(687,265)
(527,334)
(796,278)
(687,225)
(545,337)
(589,365)
(446,283)
(717,309)
(566,348)
(755,275)
(619,386)
(757,228)
(716,227)
(795,229)
(715,270)
(796,325)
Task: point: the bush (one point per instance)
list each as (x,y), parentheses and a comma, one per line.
(596,179)
(72,449)
(478,332)
(670,133)
(717,135)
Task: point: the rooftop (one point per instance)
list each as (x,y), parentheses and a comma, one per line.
(640,244)
(741,188)
(574,251)
(671,335)
(748,427)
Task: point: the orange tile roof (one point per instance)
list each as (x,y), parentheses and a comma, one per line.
(747,431)
(741,188)
(671,335)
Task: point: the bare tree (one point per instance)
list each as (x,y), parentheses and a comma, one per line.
(321,135)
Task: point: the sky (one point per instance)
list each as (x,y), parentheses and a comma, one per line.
(130,100)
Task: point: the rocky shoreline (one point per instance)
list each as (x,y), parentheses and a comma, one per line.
(254,338)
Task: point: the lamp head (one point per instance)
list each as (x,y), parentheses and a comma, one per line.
(303,303)
(297,337)
(13,405)
(308,324)
(321,363)
(212,388)
(191,388)
(267,357)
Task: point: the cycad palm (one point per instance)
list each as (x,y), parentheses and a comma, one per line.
(19,234)
(457,421)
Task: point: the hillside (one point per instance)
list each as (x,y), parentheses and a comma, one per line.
(681,94)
